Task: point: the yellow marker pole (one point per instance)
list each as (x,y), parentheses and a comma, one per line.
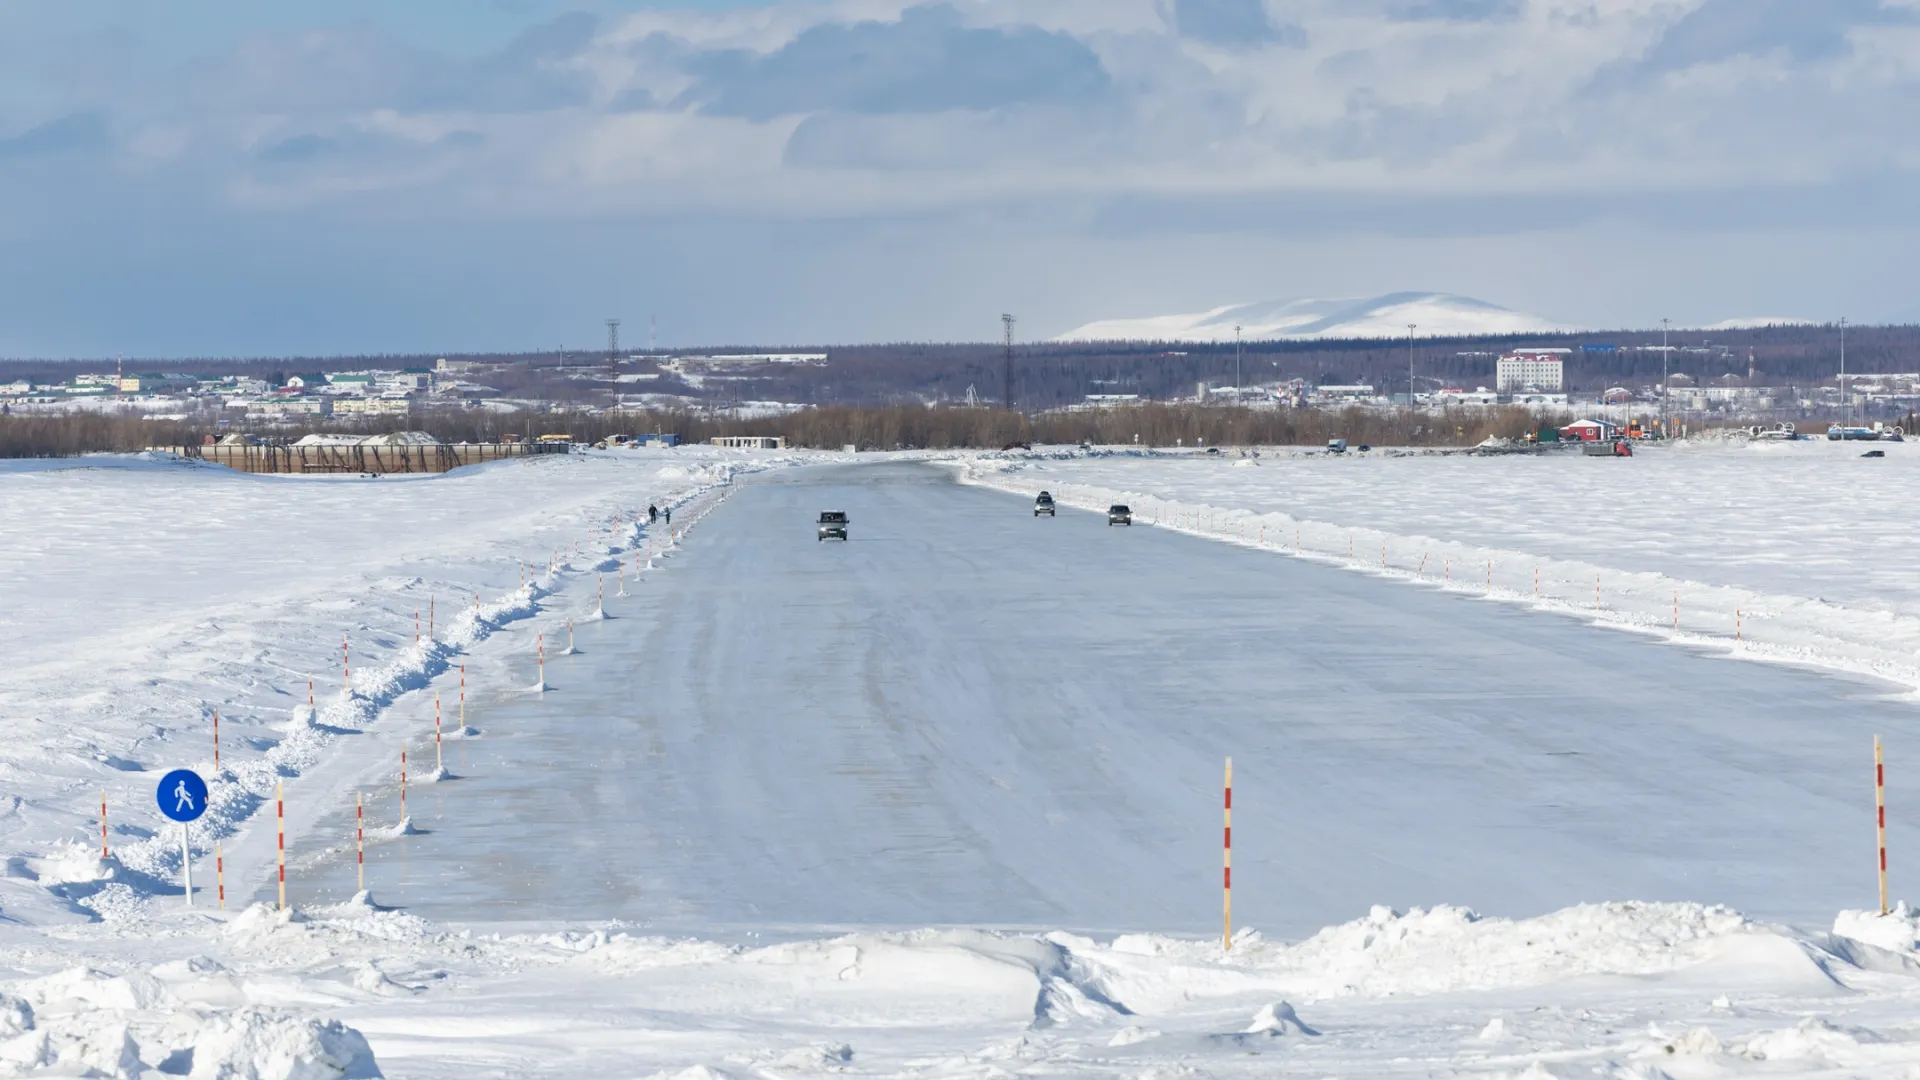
(1226,877)
(1880,817)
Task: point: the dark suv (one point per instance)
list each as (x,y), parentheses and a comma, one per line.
(833,523)
(1119,514)
(1043,505)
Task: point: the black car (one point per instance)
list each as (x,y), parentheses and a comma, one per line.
(1043,505)
(1119,514)
(833,523)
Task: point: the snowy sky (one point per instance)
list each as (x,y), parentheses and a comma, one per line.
(232,177)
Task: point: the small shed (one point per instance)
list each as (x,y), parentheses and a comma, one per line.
(1590,431)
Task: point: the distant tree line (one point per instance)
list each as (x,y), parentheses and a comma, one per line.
(893,427)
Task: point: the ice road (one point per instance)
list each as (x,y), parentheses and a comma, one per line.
(966,715)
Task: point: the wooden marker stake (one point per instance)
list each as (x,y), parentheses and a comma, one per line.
(1880,817)
(280,822)
(1226,877)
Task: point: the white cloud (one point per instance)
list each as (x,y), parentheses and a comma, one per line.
(1091,121)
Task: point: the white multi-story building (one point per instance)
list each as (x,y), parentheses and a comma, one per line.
(1531,369)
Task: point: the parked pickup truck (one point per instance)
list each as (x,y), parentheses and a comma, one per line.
(833,523)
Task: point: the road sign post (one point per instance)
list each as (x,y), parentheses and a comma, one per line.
(182,796)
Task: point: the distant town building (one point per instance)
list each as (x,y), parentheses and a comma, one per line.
(1531,369)
(750,442)
(1333,392)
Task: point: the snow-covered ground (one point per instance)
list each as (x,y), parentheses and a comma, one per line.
(1796,552)
(772,758)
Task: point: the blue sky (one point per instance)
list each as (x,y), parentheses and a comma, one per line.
(220,177)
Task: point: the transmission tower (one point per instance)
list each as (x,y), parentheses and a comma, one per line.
(1006,380)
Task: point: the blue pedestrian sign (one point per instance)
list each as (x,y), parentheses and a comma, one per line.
(182,795)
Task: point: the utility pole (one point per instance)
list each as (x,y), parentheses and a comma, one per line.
(1236,363)
(1846,402)
(1666,378)
(1006,379)
(613,361)
(1410,391)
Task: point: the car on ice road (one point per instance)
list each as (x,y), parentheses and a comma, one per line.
(1043,505)
(833,523)
(1119,514)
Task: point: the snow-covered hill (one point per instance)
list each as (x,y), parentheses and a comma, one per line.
(1442,314)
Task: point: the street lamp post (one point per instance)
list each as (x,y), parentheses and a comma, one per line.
(1666,382)
(1410,329)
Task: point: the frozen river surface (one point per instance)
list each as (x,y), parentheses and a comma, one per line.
(967,715)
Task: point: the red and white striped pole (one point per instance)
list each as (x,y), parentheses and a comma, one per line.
(220,873)
(569,636)
(280,823)
(543,661)
(1226,877)
(439,758)
(216,740)
(360,841)
(1880,817)
(346,667)
(310,693)
(463,699)
(431,602)
(103,824)
(403,781)
(416,626)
